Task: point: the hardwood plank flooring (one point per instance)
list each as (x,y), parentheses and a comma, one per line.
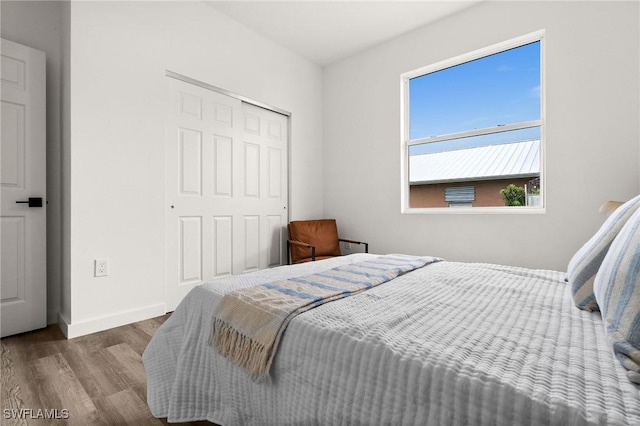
(98,378)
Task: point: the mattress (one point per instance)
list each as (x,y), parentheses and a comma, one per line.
(448,344)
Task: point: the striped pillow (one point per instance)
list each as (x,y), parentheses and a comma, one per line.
(585,263)
(617,291)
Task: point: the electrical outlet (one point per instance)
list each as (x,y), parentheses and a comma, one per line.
(101,268)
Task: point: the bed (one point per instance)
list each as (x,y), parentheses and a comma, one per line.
(446,344)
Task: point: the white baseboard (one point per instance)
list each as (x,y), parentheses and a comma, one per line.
(63,323)
(94,325)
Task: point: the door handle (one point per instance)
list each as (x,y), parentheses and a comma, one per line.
(33,202)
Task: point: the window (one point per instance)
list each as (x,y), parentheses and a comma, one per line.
(474,125)
(460,196)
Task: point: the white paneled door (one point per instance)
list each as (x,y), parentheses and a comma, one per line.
(226,188)
(23,280)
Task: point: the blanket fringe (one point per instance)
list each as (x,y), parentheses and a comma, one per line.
(240,349)
(250,322)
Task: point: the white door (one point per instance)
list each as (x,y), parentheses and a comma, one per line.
(23,287)
(226,188)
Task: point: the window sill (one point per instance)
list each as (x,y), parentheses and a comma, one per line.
(475,210)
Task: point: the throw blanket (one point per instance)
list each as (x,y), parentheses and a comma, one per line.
(249,323)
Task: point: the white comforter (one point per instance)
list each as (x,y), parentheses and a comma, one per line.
(448,344)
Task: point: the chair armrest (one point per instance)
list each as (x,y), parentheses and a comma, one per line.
(306,245)
(366,245)
(300,243)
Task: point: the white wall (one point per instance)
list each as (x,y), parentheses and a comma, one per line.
(593,133)
(37,24)
(106,64)
(119,53)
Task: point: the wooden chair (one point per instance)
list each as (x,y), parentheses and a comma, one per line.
(311,240)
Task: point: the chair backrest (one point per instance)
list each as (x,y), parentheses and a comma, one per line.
(322,233)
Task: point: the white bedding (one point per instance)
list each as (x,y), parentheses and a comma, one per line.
(447,344)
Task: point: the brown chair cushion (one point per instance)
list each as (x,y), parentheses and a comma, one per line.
(308,259)
(323,234)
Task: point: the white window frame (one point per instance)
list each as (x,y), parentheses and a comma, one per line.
(406,142)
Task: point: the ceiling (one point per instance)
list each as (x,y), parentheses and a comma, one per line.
(327,31)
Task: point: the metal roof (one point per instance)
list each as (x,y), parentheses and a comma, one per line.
(517,159)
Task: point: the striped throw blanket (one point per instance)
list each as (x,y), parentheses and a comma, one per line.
(249,322)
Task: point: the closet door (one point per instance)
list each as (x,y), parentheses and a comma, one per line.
(226,169)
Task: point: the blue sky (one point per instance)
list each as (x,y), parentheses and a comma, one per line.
(500,89)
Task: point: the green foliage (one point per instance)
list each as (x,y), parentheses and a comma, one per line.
(513,195)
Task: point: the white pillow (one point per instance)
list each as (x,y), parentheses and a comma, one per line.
(585,263)
(617,292)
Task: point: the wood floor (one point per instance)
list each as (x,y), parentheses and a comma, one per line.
(98,378)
